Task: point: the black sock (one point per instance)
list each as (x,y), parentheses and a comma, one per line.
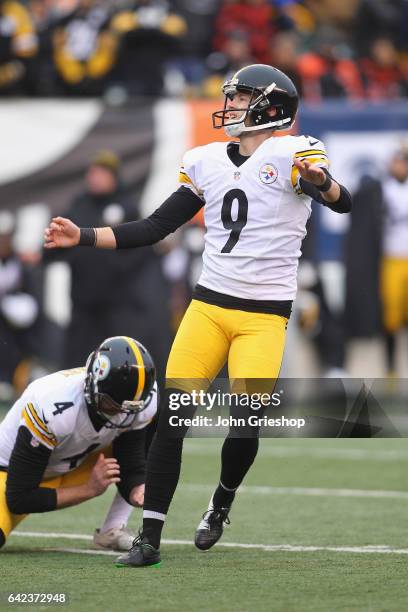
(237,456)
(222,498)
(162,470)
(162,475)
(152,528)
(390,342)
(2,538)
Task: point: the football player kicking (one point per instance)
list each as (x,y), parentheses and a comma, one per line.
(73,433)
(256,195)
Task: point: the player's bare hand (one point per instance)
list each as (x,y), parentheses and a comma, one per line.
(106,471)
(137,496)
(61,233)
(310,172)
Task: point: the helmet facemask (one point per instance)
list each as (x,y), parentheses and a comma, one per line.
(107,407)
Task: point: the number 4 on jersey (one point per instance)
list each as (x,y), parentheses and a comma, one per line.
(61,406)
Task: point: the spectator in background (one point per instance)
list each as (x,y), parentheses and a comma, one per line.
(381,72)
(363,253)
(84,49)
(328,71)
(320,322)
(377,18)
(300,16)
(18,48)
(255,18)
(19,310)
(284,50)
(113,295)
(196,43)
(44,67)
(149,35)
(394,270)
(234,54)
(48,16)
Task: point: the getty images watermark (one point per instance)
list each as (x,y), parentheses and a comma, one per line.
(209,401)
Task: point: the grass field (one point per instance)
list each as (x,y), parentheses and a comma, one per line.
(326,521)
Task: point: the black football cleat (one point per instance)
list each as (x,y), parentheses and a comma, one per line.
(142,554)
(211,527)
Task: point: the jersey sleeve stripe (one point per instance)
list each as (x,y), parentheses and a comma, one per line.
(184,178)
(39,422)
(316,159)
(140,363)
(310,152)
(37,433)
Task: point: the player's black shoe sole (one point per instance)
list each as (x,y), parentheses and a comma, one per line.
(142,554)
(211,527)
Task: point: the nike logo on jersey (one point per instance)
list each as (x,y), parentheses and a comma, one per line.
(312,142)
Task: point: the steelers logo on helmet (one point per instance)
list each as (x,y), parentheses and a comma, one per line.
(268,174)
(101,367)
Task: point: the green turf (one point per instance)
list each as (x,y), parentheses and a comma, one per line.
(237,579)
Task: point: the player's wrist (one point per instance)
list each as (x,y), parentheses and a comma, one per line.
(91,490)
(86,491)
(87,236)
(71,496)
(326,185)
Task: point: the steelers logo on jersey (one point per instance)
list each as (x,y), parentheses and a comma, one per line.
(101,367)
(268,174)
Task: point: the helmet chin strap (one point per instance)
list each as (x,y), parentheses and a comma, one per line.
(237,129)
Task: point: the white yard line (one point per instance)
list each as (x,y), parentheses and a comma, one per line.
(348,454)
(378,549)
(319,492)
(52,534)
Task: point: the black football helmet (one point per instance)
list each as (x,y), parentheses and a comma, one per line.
(120,375)
(268,87)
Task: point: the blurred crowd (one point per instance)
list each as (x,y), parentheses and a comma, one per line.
(354,49)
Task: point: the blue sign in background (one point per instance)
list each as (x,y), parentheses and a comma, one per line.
(319,119)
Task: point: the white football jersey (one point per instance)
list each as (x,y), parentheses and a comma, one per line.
(395,243)
(255,215)
(53,409)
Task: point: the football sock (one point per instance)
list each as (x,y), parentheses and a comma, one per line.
(390,342)
(162,470)
(222,497)
(118,514)
(152,529)
(162,475)
(237,456)
(149,433)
